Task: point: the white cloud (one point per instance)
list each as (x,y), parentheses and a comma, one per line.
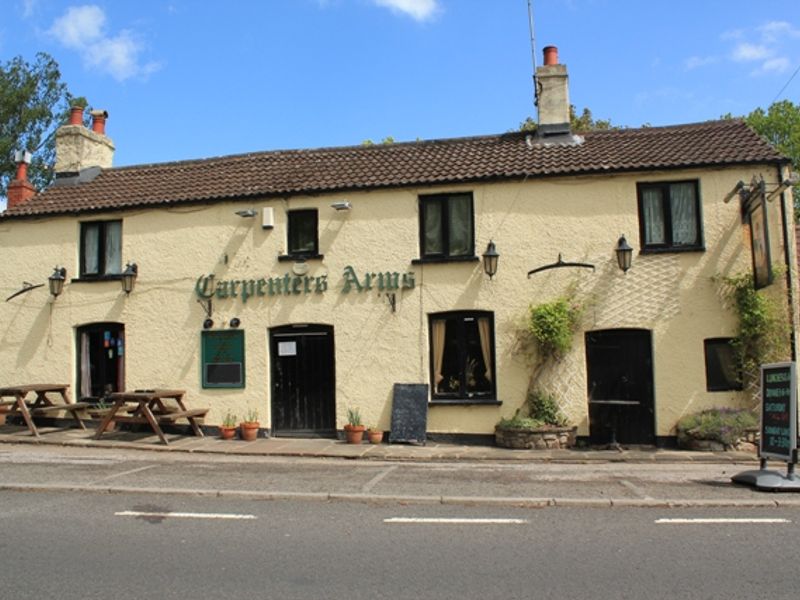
(28,8)
(695,62)
(749,52)
(83,29)
(775,65)
(420,10)
(773,31)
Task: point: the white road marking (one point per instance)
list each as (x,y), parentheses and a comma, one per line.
(181,515)
(713,521)
(456,521)
(123,473)
(375,480)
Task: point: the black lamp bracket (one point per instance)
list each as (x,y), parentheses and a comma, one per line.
(206,304)
(561,263)
(26,287)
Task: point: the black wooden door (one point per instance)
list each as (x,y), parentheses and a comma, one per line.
(303,380)
(619,365)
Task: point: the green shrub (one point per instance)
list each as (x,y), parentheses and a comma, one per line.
(553,326)
(517,422)
(543,407)
(724,425)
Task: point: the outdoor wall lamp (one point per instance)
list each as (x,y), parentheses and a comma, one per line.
(235,322)
(624,254)
(129,276)
(343,205)
(56,281)
(490,258)
(247,213)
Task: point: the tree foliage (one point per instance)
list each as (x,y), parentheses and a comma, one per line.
(33,103)
(780,126)
(583,122)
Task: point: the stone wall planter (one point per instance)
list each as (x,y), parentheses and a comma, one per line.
(551,438)
(747,443)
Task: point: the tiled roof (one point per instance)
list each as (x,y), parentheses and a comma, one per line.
(452,161)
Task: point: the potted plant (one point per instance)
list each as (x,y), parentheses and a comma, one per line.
(249,427)
(228,429)
(354,429)
(719,429)
(374,434)
(100,410)
(545,428)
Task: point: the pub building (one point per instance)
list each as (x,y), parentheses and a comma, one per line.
(301,283)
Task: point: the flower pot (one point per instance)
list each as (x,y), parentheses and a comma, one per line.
(227,433)
(249,431)
(354,433)
(375,436)
(3,412)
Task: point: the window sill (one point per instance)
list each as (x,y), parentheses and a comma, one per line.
(86,279)
(444,259)
(672,249)
(465,402)
(299,257)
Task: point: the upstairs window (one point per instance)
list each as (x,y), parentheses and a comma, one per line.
(302,233)
(101,249)
(446,226)
(669,216)
(462,356)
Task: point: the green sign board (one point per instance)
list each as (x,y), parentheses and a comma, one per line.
(779,411)
(223,359)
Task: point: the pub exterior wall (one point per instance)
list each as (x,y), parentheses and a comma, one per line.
(531,222)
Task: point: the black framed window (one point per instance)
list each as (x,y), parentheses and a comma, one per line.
(462,356)
(669,216)
(303,233)
(446,226)
(101,249)
(722,369)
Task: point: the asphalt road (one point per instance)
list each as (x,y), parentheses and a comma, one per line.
(30,467)
(86,545)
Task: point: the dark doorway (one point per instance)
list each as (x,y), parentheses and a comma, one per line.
(619,365)
(101,359)
(303,380)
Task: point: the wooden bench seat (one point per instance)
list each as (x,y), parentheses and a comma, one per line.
(183,414)
(68,407)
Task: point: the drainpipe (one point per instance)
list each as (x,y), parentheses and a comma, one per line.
(787,257)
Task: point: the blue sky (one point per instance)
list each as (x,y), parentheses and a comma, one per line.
(186,79)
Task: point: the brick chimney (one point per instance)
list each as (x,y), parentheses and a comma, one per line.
(78,148)
(20,189)
(552,95)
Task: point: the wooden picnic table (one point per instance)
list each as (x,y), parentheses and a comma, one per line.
(49,398)
(151,407)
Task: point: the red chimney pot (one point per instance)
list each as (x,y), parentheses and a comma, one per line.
(550,55)
(76,115)
(99,121)
(20,190)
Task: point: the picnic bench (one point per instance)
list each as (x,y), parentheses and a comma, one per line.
(48,398)
(150,407)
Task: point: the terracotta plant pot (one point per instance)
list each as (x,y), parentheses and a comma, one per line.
(354,433)
(3,411)
(227,433)
(375,436)
(249,431)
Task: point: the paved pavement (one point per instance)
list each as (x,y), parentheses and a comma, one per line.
(331,448)
(69,460)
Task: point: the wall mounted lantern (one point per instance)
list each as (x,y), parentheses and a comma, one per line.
(129,276)
(247,213)
(56,281)
(490,258)
(624,254)
(342,205)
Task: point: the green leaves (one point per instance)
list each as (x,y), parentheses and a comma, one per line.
(553,326)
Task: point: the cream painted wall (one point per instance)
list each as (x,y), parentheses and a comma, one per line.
(531,223)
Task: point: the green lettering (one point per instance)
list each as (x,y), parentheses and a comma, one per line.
(321,284)
(350,280)
(222,289)
(248,289)
(408,281)
(202,285)
(260,285)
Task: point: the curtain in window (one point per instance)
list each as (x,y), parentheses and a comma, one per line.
(684,214)
(486,345)
(113,248)
(86,367)
(653,209)
(460,226)
(438,328)
(433,228)
(91,250)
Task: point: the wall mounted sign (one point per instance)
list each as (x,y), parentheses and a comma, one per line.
(207,286)
(779,411)
(759,241)
(223,358)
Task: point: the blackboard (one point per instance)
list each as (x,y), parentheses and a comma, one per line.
(778,411)
(409,413)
